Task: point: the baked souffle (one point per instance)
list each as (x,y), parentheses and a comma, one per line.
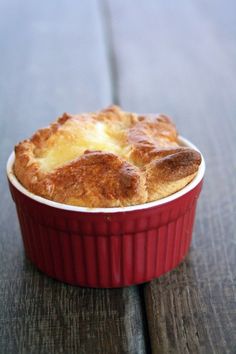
(109,158)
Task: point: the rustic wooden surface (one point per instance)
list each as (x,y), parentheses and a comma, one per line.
(165,56)
(52,61)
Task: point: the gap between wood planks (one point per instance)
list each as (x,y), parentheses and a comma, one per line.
(110,49)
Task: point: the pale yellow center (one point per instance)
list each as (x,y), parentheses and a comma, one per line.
(74,137)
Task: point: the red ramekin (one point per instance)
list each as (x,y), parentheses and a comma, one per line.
(106,247)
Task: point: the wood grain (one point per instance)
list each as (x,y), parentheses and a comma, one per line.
(53,58)
(150,57)
(180,59)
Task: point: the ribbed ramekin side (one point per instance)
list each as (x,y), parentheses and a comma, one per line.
(178,239)
(107,250)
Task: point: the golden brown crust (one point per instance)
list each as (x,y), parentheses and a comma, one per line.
(170,173)
(112,158)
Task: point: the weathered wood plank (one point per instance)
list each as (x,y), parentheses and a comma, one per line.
(180,59)
(53,58)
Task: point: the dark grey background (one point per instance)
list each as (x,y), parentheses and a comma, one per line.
(175,57)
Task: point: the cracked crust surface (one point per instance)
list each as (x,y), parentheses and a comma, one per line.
(110,158)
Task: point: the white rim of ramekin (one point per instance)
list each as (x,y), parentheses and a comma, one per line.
(197,179)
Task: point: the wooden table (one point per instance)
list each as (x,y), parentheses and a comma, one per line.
(175,57)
